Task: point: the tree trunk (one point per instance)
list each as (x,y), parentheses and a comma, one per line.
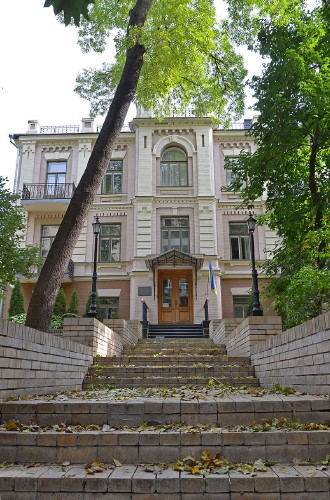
(51,275)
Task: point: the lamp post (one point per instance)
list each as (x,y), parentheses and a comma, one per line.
(256,310)
(92,313)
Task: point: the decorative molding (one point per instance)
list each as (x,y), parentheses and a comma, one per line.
(177,139)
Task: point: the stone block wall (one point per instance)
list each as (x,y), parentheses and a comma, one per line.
(34,362)
(239,338)
(298,357)
(221,329)
(104,339)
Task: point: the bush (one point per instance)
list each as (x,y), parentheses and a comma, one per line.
(60,304)
(18,318)
(56,322)
(73,303)
(16,305)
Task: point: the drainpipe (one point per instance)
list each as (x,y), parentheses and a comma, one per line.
(18,160)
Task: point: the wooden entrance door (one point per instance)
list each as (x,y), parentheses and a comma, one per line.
(175,296)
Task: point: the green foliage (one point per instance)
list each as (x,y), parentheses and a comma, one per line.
(56,322)
(18,318)
(13,258)
(293,163)
(72,9)
(16,305)
(88,305)
(60,304)
(73,303)
(189,59)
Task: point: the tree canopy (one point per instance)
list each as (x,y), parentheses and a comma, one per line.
(13,258)
(292,162)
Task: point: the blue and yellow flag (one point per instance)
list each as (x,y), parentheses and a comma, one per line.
(211,279)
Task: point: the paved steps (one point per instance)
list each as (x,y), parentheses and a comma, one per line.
(174,331)
(65,432)
(132,482)
(184,362)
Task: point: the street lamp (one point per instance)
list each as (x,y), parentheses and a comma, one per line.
(256,310)
(92,313)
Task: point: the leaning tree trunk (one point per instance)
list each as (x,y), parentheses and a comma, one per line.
(51,275)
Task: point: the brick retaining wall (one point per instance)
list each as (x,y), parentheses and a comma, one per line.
(34,362)
(298,357)
(239,338)
(105,340)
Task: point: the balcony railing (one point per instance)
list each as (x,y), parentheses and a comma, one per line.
(69,273)
(59,129)
(47,191)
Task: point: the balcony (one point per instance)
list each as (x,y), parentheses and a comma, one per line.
(35,270)
(43,196)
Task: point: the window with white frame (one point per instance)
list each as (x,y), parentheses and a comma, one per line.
(241,306)
(112,180)
(175,234)
(174,168)
(109,308)
(56,178)
(239,241)
(110,238)
(48,234)
(230,176)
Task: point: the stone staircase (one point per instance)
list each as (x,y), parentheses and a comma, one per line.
(173,331)
(171,363)
(118,444)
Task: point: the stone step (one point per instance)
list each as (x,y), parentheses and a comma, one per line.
(140,371)
(168,381)
(229,410)
(132,446)
(211,351)
(172,360)
(285,482)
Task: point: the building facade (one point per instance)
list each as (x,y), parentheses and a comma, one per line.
(165,210)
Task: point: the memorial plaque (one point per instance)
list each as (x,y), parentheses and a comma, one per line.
(144,291)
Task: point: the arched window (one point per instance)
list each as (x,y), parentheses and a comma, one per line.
(174,167)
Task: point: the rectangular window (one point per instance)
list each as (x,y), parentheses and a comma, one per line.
(230,176)
(48,234)
(112,181)
(175,234)
(239,241)
(241,306)
(109,249)
(56,177)
(109,308)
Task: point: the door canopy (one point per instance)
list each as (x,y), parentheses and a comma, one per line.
(174,258)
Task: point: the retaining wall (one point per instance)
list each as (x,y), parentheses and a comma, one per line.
(105,340)
(34,362)
(298,357)
(239,338)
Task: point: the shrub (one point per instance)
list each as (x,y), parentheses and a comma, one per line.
(73,303)
(16,305)
(18,318)
(60,304)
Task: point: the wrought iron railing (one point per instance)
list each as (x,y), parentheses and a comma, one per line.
(59,129)
(69,273)
(145,322)
(47,191)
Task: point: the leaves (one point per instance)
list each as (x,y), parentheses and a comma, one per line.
(95,467)
(117,463)
(217,465)
(72,9)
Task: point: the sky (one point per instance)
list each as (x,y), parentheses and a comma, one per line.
(40,60)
